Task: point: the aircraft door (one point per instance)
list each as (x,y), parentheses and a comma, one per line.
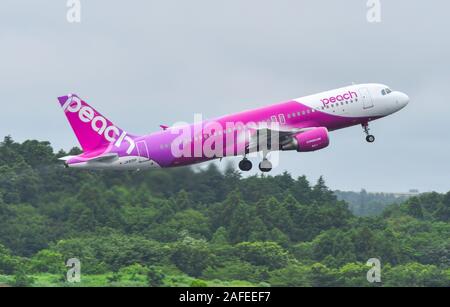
(142,149)
(366,98)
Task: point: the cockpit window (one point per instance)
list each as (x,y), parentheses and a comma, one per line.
(386,91)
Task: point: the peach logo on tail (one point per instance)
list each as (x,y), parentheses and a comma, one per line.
(98,123)
(347,96)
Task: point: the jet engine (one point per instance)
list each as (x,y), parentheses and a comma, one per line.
(311,140)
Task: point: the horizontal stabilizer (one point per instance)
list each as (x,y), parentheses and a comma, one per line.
(105,158)
(66,158)
(102,158)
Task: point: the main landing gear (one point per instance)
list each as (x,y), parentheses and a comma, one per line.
(265,166)
(369,138)
(246,165)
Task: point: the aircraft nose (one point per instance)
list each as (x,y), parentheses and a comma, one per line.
(402,99)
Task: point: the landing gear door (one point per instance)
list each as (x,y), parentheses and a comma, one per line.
(366,98)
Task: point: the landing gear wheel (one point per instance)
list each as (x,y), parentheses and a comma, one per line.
(370,139)
(265,166)
(245,165)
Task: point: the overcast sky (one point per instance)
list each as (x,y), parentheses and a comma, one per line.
(145,63)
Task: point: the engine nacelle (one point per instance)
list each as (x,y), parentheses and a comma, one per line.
(311,140)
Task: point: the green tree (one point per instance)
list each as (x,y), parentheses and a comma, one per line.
(301,190)
(155,277)
(245,225)
(48,261)
(414,275)
(191,256)
(192,221)
(414,208)
(353,275)
(322,276)
(8,263)
(134,272)
(26,231)
(234,269)
(442,212)
(21,279)
(321,193)
(37,154)
(293,275)
(335,243)
(220,236)
(268,254)
(197,283)
(274,214)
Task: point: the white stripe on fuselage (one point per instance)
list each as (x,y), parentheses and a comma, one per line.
(350,109)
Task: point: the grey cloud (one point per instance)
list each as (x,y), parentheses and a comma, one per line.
(143,63)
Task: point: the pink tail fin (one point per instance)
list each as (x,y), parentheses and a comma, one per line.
(91,128)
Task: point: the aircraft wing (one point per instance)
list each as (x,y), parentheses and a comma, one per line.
(284,136)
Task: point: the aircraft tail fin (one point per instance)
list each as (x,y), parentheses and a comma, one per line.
(92,129)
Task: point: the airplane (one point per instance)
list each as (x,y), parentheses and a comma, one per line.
(301,124)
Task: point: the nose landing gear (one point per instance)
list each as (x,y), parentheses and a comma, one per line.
(369,138)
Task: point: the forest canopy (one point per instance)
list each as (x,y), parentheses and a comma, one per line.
(182,226)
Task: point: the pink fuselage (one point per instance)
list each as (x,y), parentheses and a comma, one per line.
(160,142)
(331,110)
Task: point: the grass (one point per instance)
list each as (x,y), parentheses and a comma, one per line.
(103,280)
